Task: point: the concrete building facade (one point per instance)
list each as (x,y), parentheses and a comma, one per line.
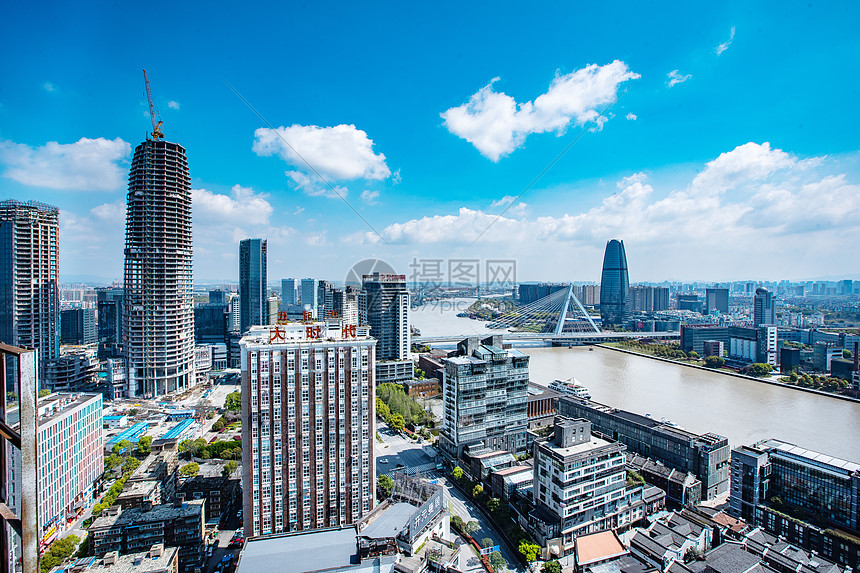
(307,443)
(158,317)
(29,271)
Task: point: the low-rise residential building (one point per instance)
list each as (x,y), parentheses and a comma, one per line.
(580,487)
(704,455)
(223,495)
(158,559)
(681,487)
(157,476)
(422,388)
(133,530)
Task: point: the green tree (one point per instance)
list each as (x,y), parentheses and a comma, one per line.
(493,504)
(382,409)
(715,361)
(131,463)
(477,490)
(496,560)
(123,446)
(396,422)
(218,425)
(113,461)
(44,391)
(847,353)
(233,402)
(457,473)
(229,468)
(471,527)
(759,369)
(551,567)
(457,522)
(487,542)
(793,377)
(529,550)
(189,469)
(386,485)
(144,445)
(693,354)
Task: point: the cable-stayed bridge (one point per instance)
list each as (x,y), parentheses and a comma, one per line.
(558,317)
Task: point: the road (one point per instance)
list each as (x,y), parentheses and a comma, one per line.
(398,449)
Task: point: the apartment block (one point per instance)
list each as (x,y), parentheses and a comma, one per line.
(485,398)
(127,531)
(70,455)
(307,437)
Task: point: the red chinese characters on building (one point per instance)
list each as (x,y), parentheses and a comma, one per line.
(313,332)
(348,331)
(276,334)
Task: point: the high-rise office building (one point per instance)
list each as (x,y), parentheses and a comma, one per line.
(308,398)
(78,326)
(158,313)
(614,285)
(648,298)
(252,283)
(764,307)
(717,301)
(288,291)
(216,296)
(388,314)
(29,270)
(309,294)
(109,307)
(485,391)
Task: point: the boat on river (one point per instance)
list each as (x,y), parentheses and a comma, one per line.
(571,387)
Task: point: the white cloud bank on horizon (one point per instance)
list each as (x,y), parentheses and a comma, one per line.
(497,125)
(87,165)
(749,205)
(339,153)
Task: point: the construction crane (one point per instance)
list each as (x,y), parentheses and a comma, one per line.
(156,126)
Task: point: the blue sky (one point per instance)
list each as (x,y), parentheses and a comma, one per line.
(731,153)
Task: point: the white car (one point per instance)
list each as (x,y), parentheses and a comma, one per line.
(383,460)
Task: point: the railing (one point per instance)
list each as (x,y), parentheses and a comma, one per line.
(25,522)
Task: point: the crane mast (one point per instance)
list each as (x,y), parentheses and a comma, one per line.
(156,124)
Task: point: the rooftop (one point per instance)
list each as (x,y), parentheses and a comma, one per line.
(577,449)
(158,561)
(390,522)
(162,512)
(598,547)
(334,550)
(802,454)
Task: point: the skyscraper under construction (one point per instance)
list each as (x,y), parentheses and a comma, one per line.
(158,315)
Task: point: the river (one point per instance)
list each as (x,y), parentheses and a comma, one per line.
(742,410)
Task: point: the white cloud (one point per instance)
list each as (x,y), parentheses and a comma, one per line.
(632,116)
(316,187)
(338,153)
(497,125)
(369,196)
(173,104)
(677,78)
(49,87)
(725,45)
(517,210)
(86,165)
(753,198)
(110,212)
(299,210)
(242,206)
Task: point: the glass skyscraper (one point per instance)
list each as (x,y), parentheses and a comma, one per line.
(252,283)
(614,284)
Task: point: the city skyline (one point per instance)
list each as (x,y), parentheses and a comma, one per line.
(684,162)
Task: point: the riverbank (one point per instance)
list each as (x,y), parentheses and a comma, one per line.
(735,374)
